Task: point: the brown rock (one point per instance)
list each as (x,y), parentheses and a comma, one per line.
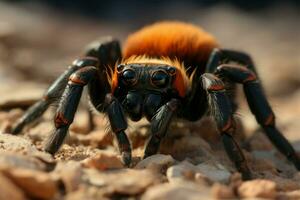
(158,161)
(205,172)
(90,193)
(22,146)
(215,172)
(293,195)
(186,190)
(8,118)
(258,188)
(9,190)
(188,146)
(259,141)
(284,184)
(186,171)
(220,191)
(236,179)
(34,183)
(10,160)
(270,161)
(70,173)
(103,160)
(6,126)
(122,182)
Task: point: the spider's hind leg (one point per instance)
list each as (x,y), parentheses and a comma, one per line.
(220,56)
(260,107)
(246,74)
(222,112)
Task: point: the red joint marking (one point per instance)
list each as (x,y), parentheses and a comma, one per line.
(60,120)
(251,77)
(216,87)
(227,125)
(74,79)
(125,147)
(270,120)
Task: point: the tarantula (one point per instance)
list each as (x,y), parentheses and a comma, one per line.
(166,70)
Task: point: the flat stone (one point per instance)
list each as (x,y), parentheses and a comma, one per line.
(122,182)
(90,193)
(186,171)
(204,173)
(157,161)
(257,188)
(220,191)
(34,183)
(103,160)
(70,173)
(293,195)
(22,146)
(186,190)
(9,190)
(11,160)
(187,146)
(215,172)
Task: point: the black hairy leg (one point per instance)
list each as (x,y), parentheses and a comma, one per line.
(101,53)
(68,105)
(260,107)
(52,95)
(159,126)
(221,110)
(246,74)
(109,52)
(118,125)
(222,56)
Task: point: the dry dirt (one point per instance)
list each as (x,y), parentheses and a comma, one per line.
(192,164)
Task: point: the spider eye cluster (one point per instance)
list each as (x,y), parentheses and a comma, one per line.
(160,78)
(129,77)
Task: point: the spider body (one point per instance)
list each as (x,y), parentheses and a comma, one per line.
(166,70)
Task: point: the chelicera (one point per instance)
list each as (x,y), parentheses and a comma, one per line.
(167,70)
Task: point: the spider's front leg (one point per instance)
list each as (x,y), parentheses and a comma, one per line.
(53,93)
(221,109)
(118,125)
(159,126)
(68,105)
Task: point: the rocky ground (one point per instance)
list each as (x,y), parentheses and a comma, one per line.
(192,163)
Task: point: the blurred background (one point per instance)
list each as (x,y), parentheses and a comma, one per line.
(38,39)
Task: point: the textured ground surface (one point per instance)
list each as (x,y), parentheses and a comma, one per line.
(35,48)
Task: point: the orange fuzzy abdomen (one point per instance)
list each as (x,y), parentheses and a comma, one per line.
(186,42)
